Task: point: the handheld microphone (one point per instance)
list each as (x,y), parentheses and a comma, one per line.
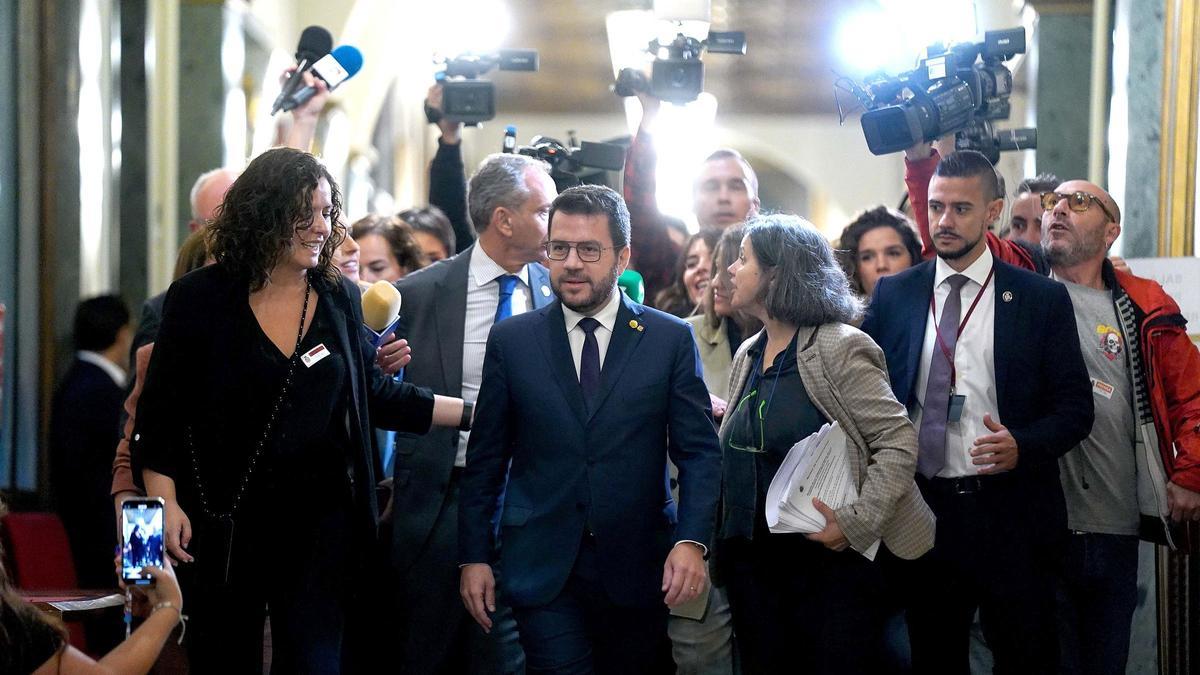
(381,310)
(315,42)
(334,68)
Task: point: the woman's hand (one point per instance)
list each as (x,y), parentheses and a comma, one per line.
(832,536)
(165,588)
(178,530)
(393,355)
(718,406)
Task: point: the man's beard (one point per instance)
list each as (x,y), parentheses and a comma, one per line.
(955,254)
(598,295)
(1073,253)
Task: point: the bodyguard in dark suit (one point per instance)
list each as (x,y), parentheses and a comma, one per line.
(448,311)
(584,399)
(83,432)
(998,390)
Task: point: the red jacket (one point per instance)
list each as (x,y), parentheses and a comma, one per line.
(651,251)
(1172,377)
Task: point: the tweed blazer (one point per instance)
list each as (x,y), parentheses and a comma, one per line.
(844,372)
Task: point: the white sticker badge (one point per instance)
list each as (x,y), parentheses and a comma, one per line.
(1102,388)
(312,356)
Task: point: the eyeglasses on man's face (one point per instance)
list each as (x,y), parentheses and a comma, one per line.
(588,251)
(1078,202)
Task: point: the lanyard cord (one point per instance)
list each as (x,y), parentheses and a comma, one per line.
(937,331)
(775,383)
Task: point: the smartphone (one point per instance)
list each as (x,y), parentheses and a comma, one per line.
(142,540)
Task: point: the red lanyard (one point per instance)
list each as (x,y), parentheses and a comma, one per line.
(938,333)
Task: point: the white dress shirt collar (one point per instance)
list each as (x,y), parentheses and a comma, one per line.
(484,270)
(607,315)
(977,271)
(113,370)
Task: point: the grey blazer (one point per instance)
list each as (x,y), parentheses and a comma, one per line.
(432,319)
(844,372)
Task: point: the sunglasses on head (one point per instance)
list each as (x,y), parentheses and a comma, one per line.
(1076,201)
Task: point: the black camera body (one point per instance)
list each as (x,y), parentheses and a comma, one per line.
(470,100)
(677,73)
(960,90)
(571,166)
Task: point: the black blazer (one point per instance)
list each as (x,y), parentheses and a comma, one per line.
(1042,385)
(83,434)
(601,468)
(188,376)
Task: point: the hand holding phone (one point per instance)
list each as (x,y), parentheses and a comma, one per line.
(142,539)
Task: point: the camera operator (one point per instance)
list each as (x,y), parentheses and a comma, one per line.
(725,193)
(448,175)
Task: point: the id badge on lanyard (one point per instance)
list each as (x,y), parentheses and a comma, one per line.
(957,401)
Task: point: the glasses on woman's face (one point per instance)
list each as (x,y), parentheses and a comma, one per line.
(588,251)
(1078,202)
(747,434)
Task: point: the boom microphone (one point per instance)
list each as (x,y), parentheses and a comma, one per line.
(334,68)
(315,42)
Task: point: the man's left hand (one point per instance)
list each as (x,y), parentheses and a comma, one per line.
(832,536)
(393,355)
(1183,503)
(685,575)
(997,451)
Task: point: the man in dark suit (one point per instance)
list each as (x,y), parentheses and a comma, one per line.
(580,405)
(83,432)
(449,309)
(987,359)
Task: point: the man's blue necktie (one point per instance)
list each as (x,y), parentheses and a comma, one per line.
(507,283)
(589,360)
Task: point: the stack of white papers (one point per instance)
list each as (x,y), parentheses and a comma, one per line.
(817,466)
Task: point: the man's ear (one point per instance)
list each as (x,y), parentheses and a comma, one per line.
(1111,232)
(994,209)
(502,219)
(623,258)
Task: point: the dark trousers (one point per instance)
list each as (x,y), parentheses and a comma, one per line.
(437,635)
(799,607)
(1097,594)
(580,632)
(294,564)
(991,556)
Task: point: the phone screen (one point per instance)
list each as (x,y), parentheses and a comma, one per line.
(142,543)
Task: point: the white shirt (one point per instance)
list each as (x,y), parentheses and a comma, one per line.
(607,316)
(113,370)
(974,362)
(483,297)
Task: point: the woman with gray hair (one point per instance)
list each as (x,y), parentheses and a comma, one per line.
(794,595)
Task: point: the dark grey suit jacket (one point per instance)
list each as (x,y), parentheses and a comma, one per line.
(432,320)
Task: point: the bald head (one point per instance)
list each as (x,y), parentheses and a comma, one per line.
(1071,186)
(207,194)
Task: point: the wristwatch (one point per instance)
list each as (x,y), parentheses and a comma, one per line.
(467,414)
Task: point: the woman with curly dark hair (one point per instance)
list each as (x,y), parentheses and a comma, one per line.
(879,242)
(253,425)
(387,248)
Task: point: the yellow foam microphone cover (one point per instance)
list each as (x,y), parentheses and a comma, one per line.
(380,305)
